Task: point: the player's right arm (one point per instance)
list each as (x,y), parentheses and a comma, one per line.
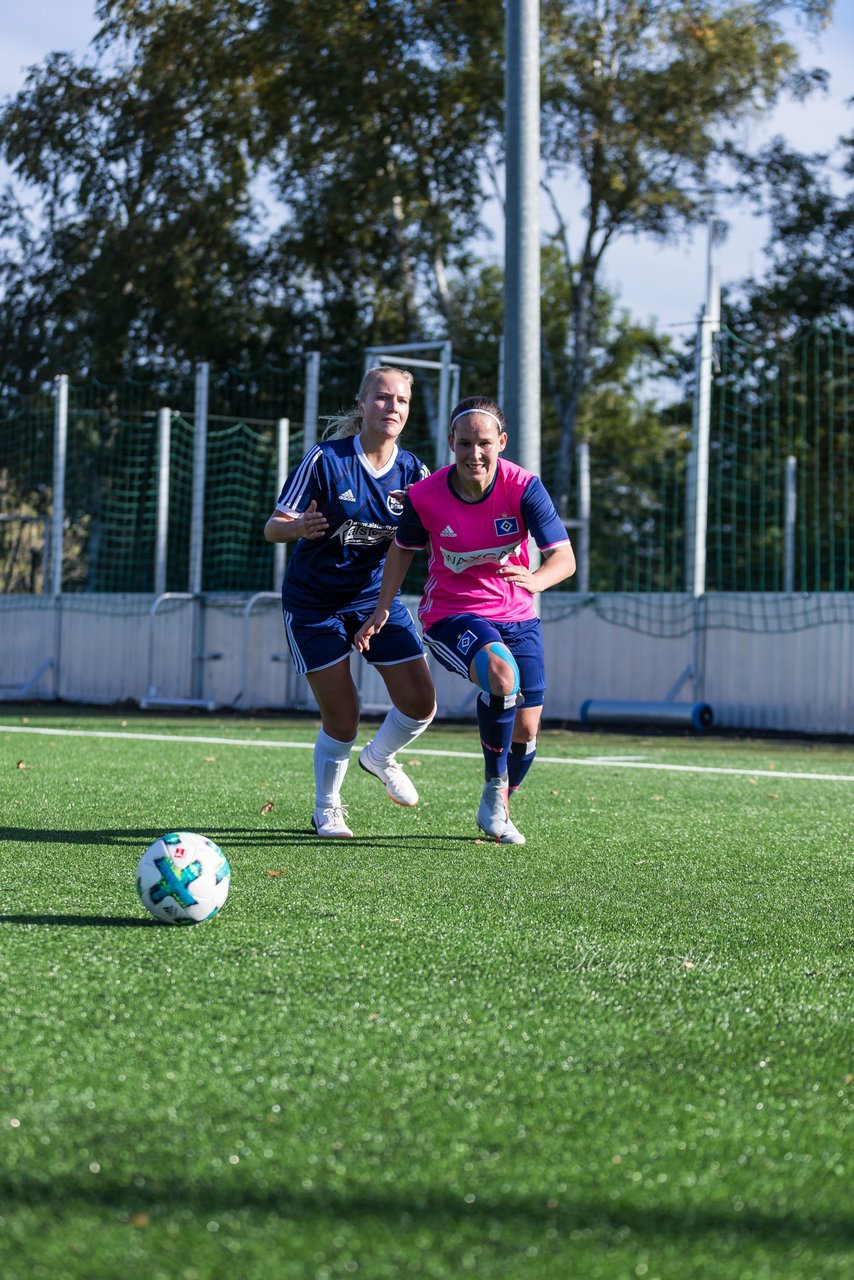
(397,561)
(282,527)
(295,514)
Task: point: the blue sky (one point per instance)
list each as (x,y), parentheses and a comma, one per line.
(667,284)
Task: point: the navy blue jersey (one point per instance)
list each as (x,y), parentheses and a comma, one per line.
(363,505)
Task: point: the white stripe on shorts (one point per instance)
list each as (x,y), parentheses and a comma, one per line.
(298,659)
(454,660)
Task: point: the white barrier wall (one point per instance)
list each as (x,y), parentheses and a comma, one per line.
(111,648)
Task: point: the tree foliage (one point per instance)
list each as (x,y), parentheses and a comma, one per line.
(139,243)
(809,203)
(227,178)
(638,100)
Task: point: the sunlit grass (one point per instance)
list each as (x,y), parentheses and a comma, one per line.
(622,1049)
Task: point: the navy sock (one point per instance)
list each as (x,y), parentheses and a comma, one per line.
(496,732)
(519,762)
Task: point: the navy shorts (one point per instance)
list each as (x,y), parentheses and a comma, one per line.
(319,639)
(454,641)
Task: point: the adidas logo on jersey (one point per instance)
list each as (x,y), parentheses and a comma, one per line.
(448,532)
(347,496)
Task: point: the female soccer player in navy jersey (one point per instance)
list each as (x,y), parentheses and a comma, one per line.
(477,609)
(340,507)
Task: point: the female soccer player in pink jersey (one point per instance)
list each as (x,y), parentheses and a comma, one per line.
(477,610)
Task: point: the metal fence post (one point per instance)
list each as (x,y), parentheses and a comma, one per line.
(791,512)
(707,328)
(60,467)
(200,449)
(60,452)
(200,460)
(444,411)
(283,439)
(164,436)
(312,399)
(583,577)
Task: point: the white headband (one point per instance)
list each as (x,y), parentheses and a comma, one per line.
(486,413)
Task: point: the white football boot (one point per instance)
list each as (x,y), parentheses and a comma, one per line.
(330,821)
(493,814)
(399,787)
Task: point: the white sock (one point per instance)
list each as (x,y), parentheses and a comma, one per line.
(396,731)
(331,759)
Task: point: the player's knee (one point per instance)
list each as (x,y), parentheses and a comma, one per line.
(496,672)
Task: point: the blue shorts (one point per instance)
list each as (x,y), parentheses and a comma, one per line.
(454,641)
(319,639)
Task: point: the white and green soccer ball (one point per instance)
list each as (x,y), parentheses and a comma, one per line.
(183,878)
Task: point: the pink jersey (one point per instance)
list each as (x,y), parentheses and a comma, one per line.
(468,542)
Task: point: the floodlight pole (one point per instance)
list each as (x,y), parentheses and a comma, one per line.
(522,232)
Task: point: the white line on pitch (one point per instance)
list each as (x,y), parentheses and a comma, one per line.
(594,762)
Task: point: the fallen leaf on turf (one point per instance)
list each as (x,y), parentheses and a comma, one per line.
(210,759)
(656,797)
(273,874)
(139,1220)
(848,1079)
(22,765)
(554,793)
(688,964)
(416,764)
(753,782)
(266,808)
(773,795)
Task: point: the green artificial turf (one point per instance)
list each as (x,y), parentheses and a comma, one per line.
(624,1049)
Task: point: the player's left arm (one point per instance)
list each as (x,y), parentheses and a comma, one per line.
(543,521)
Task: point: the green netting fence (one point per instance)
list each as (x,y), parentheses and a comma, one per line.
(780,489)
(26,489)
(779,411)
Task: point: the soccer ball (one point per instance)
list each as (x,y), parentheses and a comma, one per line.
(183,878)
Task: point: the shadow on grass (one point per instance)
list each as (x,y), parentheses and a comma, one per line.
(139,838)
(681,1223)
(95,922)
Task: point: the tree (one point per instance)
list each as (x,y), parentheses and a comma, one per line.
(809,202)
(638,99)
(142,247)
(373,120)
(369,120)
